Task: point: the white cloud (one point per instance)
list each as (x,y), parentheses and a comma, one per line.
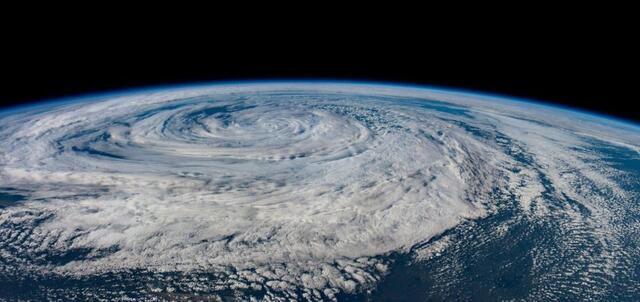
(304,189)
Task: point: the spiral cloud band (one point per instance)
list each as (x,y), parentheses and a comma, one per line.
(287,189)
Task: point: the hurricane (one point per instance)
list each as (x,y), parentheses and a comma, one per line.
(316,191)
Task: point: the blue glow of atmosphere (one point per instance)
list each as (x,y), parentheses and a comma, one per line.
(43,104)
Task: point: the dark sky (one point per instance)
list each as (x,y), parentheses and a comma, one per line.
(591,70)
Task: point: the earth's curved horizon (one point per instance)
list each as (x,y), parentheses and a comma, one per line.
(315,190)
(482,94)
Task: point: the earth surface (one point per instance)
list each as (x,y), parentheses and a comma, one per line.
(316,191)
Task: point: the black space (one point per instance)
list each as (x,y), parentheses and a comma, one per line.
(589,69)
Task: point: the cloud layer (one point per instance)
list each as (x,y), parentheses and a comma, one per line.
(287,187)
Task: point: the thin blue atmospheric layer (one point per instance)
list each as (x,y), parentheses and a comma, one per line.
(43,105)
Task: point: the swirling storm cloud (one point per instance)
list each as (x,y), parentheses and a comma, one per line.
(312,191)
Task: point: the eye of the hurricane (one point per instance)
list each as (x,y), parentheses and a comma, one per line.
(210,132)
